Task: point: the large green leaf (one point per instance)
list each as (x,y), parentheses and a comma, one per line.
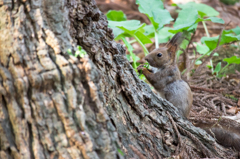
(155,11)
(203,9)
(116,15)
(233,59)
(236,30)
(161,17)
(143,38)
(202,49)
(226,37)
(130,26)
(215,20)
(186,18)
(217,68)
(147,6)
(149,31)
(164,35)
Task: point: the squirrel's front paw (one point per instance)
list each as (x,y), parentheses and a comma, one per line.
(140,67)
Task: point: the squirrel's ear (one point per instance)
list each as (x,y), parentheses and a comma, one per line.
(172,51)
(173,44)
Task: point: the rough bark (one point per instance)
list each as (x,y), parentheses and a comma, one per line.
(53,105)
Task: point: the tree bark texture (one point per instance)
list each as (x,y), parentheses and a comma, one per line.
(53,105)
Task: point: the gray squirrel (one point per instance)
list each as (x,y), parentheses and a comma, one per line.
(165,77)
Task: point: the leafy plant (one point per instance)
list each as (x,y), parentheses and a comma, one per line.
(188,18)
(114,15)
(80,52)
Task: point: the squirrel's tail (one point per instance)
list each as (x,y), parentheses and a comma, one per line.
(225,137)
(228,136)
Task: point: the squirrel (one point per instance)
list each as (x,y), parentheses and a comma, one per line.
(165,77)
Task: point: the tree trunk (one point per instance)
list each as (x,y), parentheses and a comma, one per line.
(53,105)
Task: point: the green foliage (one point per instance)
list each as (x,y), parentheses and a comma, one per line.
(120,152)
(116,15)
(80,52)
(156,13)
(191,14)
(203,9)
(233,59)
(229,2)
(131,56)
(187,21)
(163,34)
(227,37)
(186,18)
(217,68)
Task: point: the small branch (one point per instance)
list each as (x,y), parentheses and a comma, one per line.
(206,89)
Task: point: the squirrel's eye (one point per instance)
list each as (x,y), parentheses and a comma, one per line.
(159,55)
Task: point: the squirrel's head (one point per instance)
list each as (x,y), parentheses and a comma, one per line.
(161,57)
(164,56)
(158,57)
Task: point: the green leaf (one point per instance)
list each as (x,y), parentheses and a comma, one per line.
(217,69)
(202,49)
(69,51)
(198,62)
(149,31)
(203,9)
(164,35)
(116,15)
(132,55)
(130,28)
(120,152)
(226,37)
(236,30)
(147,6)
(143,38)
(193,27)
(80,52)
(186,18)
(209,66)
(155,11)
(142,77)
(161,17)
(130,25)
(215,20)
(233,59)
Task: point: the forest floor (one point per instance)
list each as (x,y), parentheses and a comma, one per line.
(214,97)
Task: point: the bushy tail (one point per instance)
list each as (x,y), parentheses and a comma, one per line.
(227,135)
(226,138)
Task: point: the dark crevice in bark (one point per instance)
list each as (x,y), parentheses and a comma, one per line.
(28,16)
(62,80)
(30,140)
(7,125)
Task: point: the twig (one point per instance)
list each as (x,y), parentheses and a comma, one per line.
(175,128)
(207,89)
